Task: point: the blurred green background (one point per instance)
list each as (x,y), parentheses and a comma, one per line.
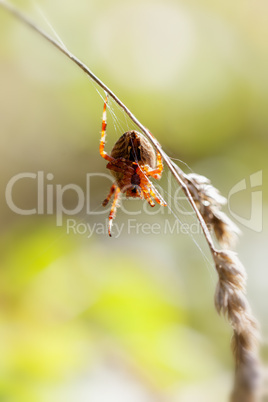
(130,318)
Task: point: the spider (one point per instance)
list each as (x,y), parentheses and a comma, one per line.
(132,162)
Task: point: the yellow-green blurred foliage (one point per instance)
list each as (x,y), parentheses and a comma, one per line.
(130,318)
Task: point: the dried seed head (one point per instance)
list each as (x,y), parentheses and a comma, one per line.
(209,202)
(230,299)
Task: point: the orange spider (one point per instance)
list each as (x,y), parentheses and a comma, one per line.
(131,162)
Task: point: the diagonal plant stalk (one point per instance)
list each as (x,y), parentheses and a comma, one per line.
(230,296)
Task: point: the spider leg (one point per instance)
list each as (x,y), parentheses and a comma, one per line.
(103,133)
(113,210)
(157,172)
(159,164)
(156,195)
(149,189)
(107,199)
(148,198)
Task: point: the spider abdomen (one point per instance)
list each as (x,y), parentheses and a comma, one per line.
(134,147)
